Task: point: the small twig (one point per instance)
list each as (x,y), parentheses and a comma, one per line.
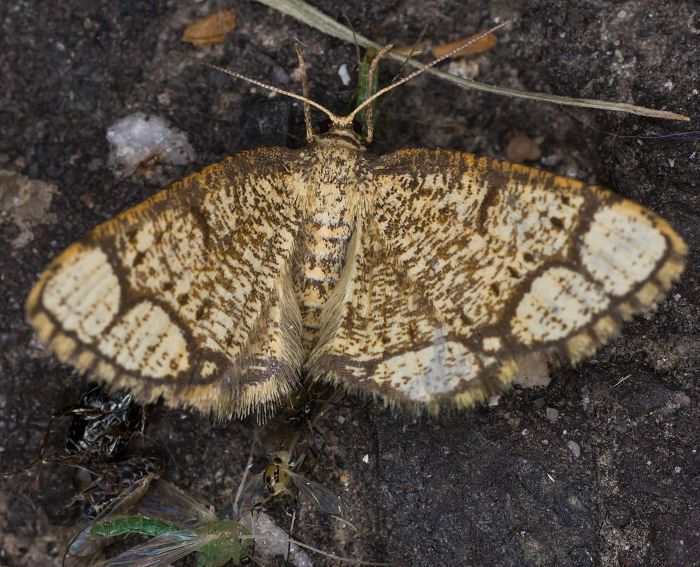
(621,380)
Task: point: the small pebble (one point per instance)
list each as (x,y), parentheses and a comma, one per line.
(550,160)
(552,415)
(575,448)
(138,138)
(295,75)
(365,459)
(522,148)
(344,75)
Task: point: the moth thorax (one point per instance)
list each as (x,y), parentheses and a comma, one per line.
(345,137)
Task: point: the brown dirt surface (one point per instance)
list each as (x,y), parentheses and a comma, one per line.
(500,485)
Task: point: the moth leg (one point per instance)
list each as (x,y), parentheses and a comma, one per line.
(305,91)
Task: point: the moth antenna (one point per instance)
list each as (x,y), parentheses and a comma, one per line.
(414,49)
(346,120)
(333,117)
(305,91)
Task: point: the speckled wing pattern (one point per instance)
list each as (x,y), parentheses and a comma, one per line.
(463,265)
(188,295)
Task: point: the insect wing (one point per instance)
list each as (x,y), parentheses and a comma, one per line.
(117,484)
(161,550)
(82,548)
(324,498)
(167,502)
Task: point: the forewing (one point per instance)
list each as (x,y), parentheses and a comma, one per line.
(325,500)
(466,265)
(187,295)
(160,550)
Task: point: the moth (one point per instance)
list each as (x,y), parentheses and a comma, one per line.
(422,277)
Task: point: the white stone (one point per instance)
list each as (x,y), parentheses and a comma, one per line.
(139,137)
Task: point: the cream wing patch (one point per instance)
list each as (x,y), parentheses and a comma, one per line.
(85,294)
(431,372)
(559,302)
(622,247)
(145,340)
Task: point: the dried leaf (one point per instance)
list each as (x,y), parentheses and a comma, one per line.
(484,44)
(211,29)
(522,148)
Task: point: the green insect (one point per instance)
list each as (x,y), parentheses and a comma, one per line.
(125,525)
(178,526)
(132,482)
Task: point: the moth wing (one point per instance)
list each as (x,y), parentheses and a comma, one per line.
(467,265)
(161,550)
(187,295)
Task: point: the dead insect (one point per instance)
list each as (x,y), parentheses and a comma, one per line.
(279,476)
(179,525)
(112,480)
(102,424)
(101,427)
(117,490)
